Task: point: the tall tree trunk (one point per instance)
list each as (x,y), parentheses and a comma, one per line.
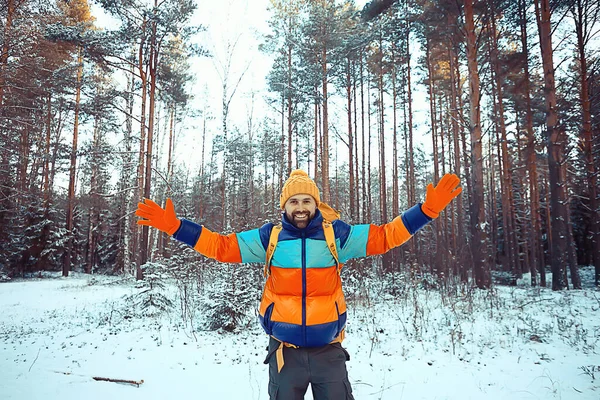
(454,118)
(165,237)
(369,142)
(71,193)
(282,162)
(479,245)
(23,165)
(356,189)
(94,217)
(434,245)
(362,128)
(153,64)
(412,199)
(535,234)
(395,175)
(138,242)
(127,178)
(288,90)
(381,130)
(325,129)
(555,142)
(201,187)
(583,9)
(508,213)
(432,109)
(350,136)
(46,177)
(316,132)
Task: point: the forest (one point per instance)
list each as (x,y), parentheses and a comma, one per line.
(512,96)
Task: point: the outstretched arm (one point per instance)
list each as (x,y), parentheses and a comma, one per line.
(403,227)
(366,240)
(242,247)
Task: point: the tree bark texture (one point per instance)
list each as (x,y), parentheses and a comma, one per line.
(479,245)
(555,142)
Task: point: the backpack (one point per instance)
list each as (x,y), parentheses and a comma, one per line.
(329,214)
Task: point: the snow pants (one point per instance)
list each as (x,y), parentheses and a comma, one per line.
(323,367)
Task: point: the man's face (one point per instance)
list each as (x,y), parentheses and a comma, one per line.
(300,209)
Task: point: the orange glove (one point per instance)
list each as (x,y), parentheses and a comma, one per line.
(439,197)
(163,219)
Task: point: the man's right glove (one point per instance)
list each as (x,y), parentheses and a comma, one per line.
(439,197)
(157,217)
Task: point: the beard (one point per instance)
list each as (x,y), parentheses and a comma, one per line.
(300,219)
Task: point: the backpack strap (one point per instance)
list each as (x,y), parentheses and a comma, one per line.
(271,249)
(330,240)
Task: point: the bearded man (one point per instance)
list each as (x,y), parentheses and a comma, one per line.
(303,309)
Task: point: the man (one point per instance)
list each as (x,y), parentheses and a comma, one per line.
(303,307)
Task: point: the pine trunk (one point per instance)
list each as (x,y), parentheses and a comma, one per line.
(94,217)
(395,177)
(555,142)
(46,177)
(129,228)
(71,192)
(537,253)
(138,243)
(479,245)
(582,28)
(363,158)
(350,136)
(459,243)
(288,90)
(434,252)
(325,130)
(508,213)
(381,130)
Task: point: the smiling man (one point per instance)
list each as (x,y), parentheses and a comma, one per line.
(303,309)
(300,209)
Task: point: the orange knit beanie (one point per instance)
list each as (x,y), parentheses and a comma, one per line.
(299,182)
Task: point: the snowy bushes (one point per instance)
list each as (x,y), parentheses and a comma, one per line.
(211,295)
(151,299)
(231,296)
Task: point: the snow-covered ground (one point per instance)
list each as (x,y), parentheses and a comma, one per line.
(56,334)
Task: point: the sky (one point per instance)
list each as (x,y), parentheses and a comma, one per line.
(245,22)
(519,343)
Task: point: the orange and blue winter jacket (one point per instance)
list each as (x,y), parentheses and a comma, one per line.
(303,302)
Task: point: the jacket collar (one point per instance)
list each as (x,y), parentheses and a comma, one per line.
(315,223)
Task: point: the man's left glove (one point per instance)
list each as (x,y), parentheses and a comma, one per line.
(157,217)
(437,198)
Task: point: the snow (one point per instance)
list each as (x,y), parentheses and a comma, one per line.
(56,334)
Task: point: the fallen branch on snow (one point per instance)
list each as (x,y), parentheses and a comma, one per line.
(115,380)
(522,306)
(127,381)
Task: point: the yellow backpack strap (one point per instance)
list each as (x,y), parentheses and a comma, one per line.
(330,240)
(271,248)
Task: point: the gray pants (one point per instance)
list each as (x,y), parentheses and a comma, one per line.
(323,367)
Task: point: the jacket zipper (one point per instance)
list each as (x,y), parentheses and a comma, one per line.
(303,289)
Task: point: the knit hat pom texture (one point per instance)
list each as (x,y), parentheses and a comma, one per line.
(299,182)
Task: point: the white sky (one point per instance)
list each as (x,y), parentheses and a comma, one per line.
(247,22)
